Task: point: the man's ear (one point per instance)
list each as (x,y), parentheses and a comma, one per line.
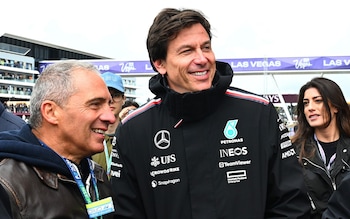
(160,66)
(49,111)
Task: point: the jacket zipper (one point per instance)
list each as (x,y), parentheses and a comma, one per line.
(324,170)
(178,123)
(313,206)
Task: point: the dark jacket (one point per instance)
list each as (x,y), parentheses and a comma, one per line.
(319,181)
(37,181)
(218,153)
(9,121)
(338,204)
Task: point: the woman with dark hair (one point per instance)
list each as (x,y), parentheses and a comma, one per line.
(322,140)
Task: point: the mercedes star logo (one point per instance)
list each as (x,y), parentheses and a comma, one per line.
(162,139)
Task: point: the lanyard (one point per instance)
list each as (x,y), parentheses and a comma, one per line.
(323,155)
(77,178)
(107,155)
(95,209)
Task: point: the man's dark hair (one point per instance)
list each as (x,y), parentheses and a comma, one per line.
(167,25)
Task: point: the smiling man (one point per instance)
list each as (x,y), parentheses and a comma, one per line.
(45,170)
(202,149)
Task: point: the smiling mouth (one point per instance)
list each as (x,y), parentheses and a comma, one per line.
(200,73)
(99,131)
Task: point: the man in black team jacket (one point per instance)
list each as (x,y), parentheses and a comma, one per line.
(200,149)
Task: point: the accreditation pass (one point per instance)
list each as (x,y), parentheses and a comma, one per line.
(101,207)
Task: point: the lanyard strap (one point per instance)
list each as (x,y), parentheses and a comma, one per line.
(85,191)
(323,155)
(77,178)
(109,155)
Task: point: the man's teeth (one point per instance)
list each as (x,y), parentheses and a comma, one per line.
(100,131)
(200,73)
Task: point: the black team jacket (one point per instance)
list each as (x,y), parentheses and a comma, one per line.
(218,153)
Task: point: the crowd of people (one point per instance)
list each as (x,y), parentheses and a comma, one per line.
(8,120)
(20,107)
(200,149)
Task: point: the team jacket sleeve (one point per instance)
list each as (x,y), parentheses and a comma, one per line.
(128,199)
(339,203)
(286,191)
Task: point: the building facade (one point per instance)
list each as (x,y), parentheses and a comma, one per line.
(19,69)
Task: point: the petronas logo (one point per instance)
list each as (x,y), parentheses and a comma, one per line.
(230,130)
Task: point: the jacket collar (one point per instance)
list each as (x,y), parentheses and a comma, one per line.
(194,105)
(51,178)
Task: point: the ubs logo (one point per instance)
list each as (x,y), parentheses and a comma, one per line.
(155,161)
(162,139)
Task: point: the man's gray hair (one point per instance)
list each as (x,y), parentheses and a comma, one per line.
(55,83)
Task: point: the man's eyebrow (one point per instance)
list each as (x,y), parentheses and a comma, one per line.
(98,99)
(208,42)
(183,47)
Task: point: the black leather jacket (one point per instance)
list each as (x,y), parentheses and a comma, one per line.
(321,182)
(39,184)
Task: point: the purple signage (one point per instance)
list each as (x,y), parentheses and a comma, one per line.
(127,67)
(288,64)
(248,65)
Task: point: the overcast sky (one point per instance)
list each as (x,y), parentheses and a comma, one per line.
(241,29)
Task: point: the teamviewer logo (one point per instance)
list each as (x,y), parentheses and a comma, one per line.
(236,176)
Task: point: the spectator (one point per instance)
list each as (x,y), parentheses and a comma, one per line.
(202,149)
(8,120)
(128,107)
(322,140)
(45,167)
(116,89)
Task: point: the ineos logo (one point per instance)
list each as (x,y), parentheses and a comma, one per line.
(162,139)
(230,152)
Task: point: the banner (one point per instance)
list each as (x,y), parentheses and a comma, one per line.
(248,65)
